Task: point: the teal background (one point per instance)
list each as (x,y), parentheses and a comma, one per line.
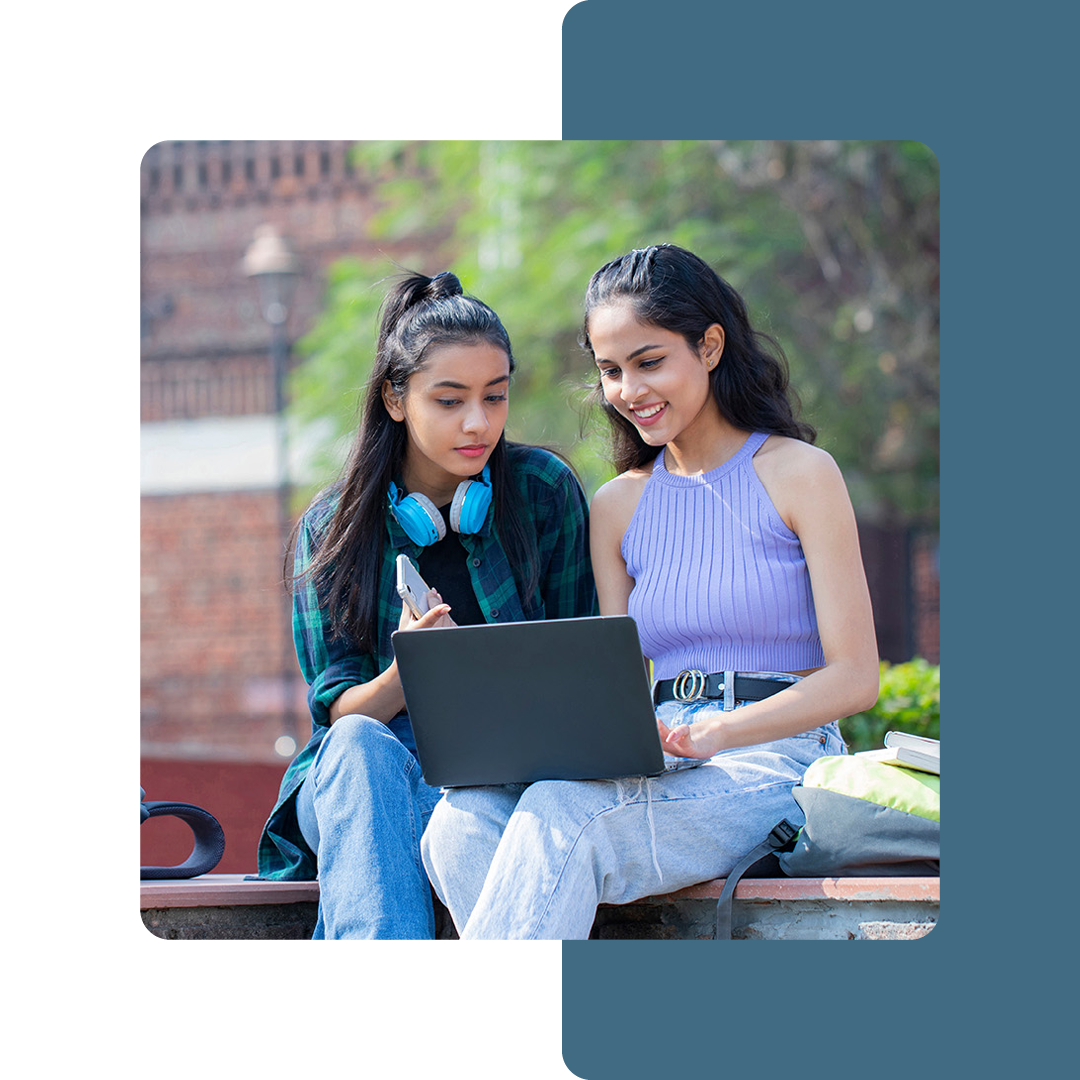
(983,86)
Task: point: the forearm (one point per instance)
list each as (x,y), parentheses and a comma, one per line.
(381,698)
(831,693)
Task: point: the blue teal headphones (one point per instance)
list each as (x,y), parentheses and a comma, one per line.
(420,517)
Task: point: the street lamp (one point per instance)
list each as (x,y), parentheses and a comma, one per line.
(271,262)
(275,268)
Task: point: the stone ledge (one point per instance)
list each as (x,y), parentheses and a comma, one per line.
(224,890)
(841,909)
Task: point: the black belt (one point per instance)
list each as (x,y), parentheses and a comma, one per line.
(697,686)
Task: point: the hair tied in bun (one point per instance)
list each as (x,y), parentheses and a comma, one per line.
(444,284)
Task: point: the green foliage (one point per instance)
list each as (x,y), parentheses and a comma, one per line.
(909,700)
(832,244)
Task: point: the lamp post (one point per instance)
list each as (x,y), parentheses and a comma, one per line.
(270,261)
(275,268)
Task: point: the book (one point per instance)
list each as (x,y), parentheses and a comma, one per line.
(908,752)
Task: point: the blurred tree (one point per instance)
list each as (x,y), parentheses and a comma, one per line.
(834,246)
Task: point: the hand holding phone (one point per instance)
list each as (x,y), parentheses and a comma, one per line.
(411,587)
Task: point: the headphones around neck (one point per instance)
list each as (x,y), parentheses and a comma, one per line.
(420,517)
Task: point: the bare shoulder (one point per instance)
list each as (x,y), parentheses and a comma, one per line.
(610,514)
(615,502)
(796,473)
(782,459)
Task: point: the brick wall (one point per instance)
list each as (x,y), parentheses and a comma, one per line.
(926,586)
(902,574)
(219,676)
(218,671)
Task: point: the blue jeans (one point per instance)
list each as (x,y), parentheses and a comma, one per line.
(518,861)
(362,809)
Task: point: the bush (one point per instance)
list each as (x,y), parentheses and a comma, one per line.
(909,700)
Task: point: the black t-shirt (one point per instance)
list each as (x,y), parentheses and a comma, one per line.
(443,567)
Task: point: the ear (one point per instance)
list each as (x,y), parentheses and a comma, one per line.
(712,345)
(392,402)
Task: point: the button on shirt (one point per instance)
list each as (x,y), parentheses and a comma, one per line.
(554,505)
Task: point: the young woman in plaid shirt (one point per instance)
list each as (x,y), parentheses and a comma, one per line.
(353,804)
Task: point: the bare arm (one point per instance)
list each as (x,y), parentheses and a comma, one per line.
(610,513)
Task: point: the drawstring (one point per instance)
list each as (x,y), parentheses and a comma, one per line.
(652,827)
(623,796)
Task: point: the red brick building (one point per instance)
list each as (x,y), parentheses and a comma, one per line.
(222,700)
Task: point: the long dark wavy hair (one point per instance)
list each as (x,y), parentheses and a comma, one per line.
(418,314)
(672,288)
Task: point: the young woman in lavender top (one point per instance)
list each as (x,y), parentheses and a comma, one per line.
(731,541)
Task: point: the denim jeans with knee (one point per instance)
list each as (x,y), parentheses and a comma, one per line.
(534,861)
(362,809)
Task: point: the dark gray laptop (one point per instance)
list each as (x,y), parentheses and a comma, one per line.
(561,699)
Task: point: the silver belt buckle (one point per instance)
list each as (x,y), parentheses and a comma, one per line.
(689,685)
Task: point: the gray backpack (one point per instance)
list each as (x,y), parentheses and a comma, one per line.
(864,818)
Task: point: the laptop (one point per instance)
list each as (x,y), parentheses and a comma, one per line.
(557,699)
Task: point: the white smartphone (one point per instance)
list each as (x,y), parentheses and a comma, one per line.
(411,587)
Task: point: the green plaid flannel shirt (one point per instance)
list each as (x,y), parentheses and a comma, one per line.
(556,507)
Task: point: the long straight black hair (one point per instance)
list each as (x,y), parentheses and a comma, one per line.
(418,314)
(672,288)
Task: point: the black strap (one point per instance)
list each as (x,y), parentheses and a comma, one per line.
(747,688)
(782,836)
(209,840)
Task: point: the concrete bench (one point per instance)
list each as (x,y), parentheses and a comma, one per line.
(229,906)
(820,909)
(844,909)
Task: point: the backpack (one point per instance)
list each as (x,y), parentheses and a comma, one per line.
(864,818)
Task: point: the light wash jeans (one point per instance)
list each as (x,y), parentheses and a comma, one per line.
(516,861)
(362,808)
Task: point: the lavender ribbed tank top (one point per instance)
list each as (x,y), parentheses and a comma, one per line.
(720,582)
